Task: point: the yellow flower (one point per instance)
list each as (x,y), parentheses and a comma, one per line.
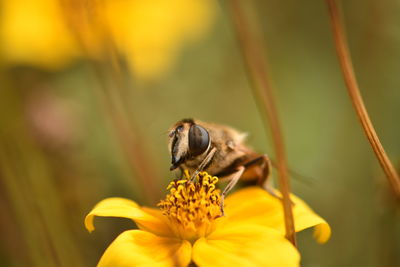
(49,33)
(188,228)
(150,33)
(33,32)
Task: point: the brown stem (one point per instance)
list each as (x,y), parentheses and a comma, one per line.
(253,55)
(128,134)
(115,91)
(343,54)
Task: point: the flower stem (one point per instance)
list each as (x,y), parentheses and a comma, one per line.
(253,55)
(343,54)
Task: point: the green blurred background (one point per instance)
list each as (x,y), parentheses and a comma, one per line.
(85,118)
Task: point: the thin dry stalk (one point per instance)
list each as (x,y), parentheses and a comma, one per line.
(343,54)
(129,137)
(114,93)
(254,57)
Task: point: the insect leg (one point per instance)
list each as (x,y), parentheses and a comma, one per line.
(233,179)
(206,160)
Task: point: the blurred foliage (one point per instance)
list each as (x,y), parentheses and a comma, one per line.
(86,100)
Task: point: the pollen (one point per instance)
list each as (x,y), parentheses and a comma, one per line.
(192,207)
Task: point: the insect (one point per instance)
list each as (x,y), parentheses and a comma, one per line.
(218,149)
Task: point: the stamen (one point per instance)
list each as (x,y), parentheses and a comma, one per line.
(192,206)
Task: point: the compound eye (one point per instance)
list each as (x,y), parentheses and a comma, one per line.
(199,140)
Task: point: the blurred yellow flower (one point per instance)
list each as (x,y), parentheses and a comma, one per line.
(49,33)
(151,33)
(189,228)
(33,32)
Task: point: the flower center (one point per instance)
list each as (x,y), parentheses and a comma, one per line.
(192,207)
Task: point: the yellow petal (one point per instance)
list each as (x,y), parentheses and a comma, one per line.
(125,208)
(245,245)
(140,248)
(255,205)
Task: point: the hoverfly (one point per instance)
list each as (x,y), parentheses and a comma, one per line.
(219,150)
